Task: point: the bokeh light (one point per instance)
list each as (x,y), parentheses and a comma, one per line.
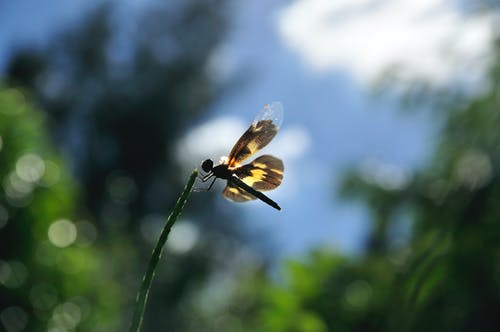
(183,237)
(14,319)
(62,233)
(18,191)
(30,168)
(12,274)
(65,317)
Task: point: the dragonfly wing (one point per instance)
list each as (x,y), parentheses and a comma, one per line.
(262,130)
(236,194)
(263,174)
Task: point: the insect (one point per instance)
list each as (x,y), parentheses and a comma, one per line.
(247,182)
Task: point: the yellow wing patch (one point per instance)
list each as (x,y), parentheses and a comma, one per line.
(236,194)
(264,173)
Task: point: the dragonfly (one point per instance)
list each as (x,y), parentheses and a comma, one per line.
(246,182)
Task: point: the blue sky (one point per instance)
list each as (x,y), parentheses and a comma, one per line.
(320,59)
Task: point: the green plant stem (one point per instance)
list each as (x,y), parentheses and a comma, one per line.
(142,296)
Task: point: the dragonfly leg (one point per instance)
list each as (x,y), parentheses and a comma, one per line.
(205,179)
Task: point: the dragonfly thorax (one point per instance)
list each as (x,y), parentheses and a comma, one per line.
(222,172)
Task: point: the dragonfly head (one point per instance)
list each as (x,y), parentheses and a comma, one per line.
(207,165)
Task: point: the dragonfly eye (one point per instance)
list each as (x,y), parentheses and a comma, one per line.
(207,165)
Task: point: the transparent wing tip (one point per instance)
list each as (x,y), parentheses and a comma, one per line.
(272,111)
(277,106)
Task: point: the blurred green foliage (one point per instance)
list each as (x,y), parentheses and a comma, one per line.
(48,262)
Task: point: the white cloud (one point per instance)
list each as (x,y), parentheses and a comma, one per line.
(291,143)
(212,139)
(424,39)
(215,139)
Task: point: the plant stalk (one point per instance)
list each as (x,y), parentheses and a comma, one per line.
(142,296)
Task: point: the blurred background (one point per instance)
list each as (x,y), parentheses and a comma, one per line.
(391,145)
